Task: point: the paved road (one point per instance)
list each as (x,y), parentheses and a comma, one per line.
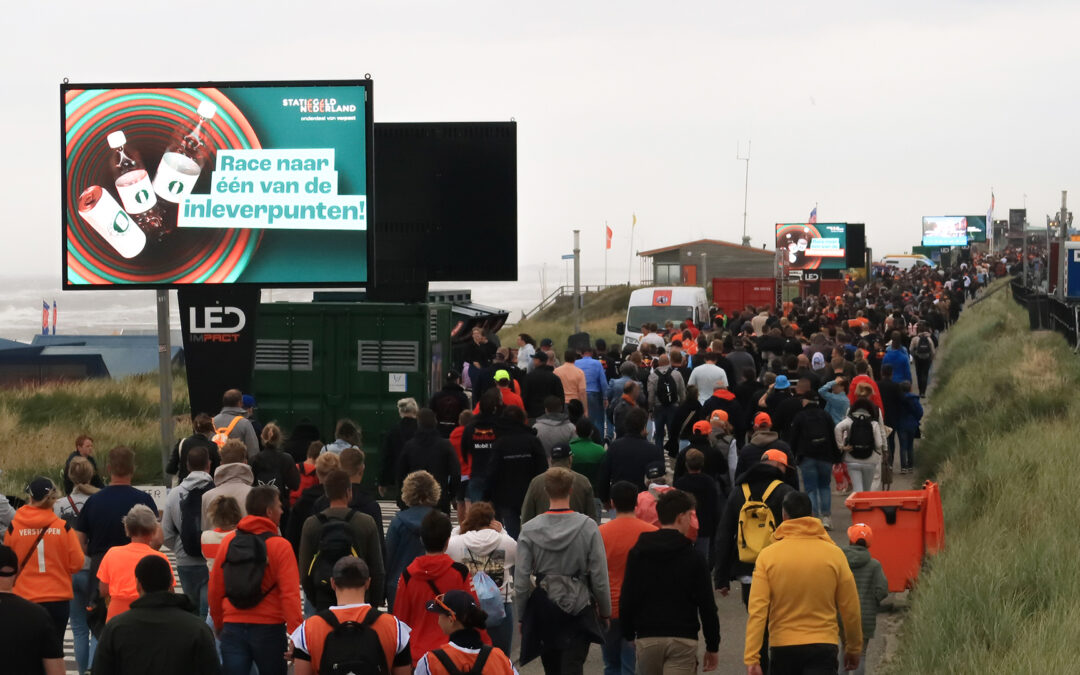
(732,612)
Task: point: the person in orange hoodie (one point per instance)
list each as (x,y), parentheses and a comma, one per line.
(253,625)
(45,576)
(430,575)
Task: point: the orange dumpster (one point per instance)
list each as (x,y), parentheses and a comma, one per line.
(907,525)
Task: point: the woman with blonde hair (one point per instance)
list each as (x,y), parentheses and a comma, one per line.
(80,472)
(421,493)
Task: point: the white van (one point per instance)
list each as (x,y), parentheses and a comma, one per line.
(907,262)
(658,304)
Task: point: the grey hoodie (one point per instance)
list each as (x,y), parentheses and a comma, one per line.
(552,429)
(560,546)
(871,583)
(233,480)
(170,518)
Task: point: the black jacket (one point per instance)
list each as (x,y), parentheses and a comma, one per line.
(303,509)
(428,451)
(706,491)
(539,384)
(274,467)
(626,459)
(158,635)
(716,462)
(517,457)
(177,465)
(666,590)
(478,442)
(448,405)
(734,410)
(395,441)
(728,565)
(682,423)
(892,398)
(807,431)
(750,454)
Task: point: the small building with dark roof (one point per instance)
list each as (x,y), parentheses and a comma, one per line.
(681,264)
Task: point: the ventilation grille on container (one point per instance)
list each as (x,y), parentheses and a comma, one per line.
(283,354)
(389,356)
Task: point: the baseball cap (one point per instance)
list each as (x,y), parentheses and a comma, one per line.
(762,420)
(540,356)
(702,427)
(453,376)
(9,562)
(655,470)
(501,375)
(40,488)
(546,342)
(781,382)
(775,456)
(860,531)
(718,415)
(561,451)
(452,604)
(249,401)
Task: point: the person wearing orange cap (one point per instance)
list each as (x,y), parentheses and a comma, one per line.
(870,581)
(724,399)
(763,438)
(764,481)
(716,461)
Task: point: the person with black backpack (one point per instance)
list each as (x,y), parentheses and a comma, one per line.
(181,523)
(354,636)
(465,653)
(254,590)
(861,437)
(666,392)
(813,440)
(923,349)
(272,466)
(335,533)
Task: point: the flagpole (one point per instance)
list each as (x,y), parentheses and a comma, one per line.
(630,265)
(606,247)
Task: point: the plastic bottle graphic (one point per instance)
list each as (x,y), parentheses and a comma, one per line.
(184,160)
(135,189)
(97,207)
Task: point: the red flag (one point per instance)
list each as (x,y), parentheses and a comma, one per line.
(609,233)
(44,318)
(54,317)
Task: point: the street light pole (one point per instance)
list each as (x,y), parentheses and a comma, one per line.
(577,281)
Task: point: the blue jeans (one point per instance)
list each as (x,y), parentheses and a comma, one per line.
(244,644)
(597,414)
(907,448)
(84,643)
(193,579)
(619,656)
(662,415)
(475,492)
(502,633)
(817,479)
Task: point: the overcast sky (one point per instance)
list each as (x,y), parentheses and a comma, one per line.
(879,114)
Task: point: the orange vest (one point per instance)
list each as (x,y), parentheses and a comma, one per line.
(497,663)
(316,630)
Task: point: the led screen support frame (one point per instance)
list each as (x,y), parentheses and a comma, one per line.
(369,181)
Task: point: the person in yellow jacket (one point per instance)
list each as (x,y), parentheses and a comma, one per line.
(801,582)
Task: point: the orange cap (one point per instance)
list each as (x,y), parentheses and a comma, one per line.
(702,427)
(718,415)
(775,456)
(762,420)
(860,531)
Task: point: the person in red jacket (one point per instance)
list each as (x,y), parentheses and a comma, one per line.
(257,634)
(507,386)
(461,499)
(427,577)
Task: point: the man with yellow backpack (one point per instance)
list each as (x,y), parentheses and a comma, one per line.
(751,515)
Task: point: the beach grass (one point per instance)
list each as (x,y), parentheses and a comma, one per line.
(41,423)
(1001,441)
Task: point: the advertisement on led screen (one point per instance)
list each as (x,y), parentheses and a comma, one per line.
(813,246)
(263,184)
(944,231)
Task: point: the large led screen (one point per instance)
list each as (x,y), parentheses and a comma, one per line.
(944,231)
(168,185)
(813,246)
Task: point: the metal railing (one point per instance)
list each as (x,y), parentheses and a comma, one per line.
(1047,312)
(563,292)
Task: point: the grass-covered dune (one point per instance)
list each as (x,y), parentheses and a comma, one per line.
(1001,439)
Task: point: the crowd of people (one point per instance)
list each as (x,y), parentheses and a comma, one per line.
(602,496)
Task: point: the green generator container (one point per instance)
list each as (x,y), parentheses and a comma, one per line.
(319,362)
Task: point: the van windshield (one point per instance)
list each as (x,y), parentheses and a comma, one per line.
(640,314)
